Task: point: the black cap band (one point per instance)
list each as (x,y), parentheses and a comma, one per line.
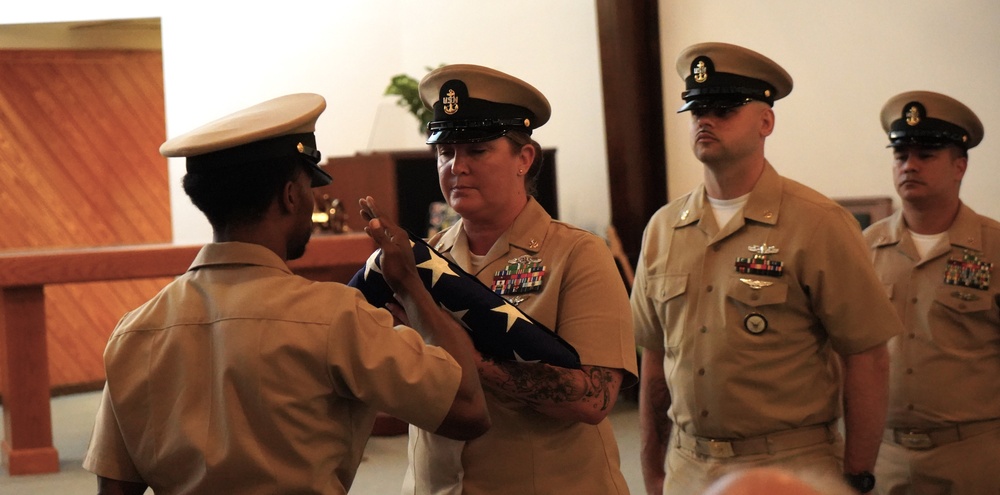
(287,146)
(728,86)
(929,132)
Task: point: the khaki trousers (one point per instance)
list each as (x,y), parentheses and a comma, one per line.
(689,472)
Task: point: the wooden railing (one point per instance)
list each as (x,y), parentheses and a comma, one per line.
(27,447)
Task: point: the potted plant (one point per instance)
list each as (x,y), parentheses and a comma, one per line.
(406,88)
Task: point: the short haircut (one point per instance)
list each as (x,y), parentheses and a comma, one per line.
(230,197)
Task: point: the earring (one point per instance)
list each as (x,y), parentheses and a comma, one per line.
(520,171)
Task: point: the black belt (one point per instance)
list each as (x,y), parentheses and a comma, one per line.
(928,438)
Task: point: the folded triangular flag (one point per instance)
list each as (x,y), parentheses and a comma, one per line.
(498,329)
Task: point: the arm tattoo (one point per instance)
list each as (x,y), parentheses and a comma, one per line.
(540,383)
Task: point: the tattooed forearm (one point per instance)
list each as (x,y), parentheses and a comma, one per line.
(537,383)
(600,385)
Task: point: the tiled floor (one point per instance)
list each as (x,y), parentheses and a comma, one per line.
(381,470)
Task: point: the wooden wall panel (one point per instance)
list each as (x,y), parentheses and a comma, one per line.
(79,166)
(629,36)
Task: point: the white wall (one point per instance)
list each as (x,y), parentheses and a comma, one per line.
(218,59)
(847,58)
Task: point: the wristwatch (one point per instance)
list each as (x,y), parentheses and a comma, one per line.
(863,482)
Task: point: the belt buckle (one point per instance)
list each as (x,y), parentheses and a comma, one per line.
(720,449)
(914,440)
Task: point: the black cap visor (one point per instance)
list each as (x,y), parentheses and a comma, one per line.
(319,176)
(474,131)
(456,136)
(712,103)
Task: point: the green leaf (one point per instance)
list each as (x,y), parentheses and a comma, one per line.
(408,90)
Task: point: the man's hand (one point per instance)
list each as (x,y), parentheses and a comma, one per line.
(397,262)
(468,417)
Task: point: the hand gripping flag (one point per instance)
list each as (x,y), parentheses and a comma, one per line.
(498,329)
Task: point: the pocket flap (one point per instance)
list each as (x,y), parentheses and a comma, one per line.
(662,288)
(963,299)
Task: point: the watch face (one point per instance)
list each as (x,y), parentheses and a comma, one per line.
(863,482)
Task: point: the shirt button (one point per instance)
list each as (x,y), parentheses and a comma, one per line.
(909,371)
(909,407)
(704,414)
(704,330)
(914,300)
(709,288)
(701,372)
(913,335)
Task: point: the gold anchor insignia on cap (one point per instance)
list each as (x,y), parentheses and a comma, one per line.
(756,284)
(762,249)
(913,116)
(700,72)
(301,148)
(450,102)
(527,122)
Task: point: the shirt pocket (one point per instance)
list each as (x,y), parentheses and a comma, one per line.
(669,294)
(964,319)
(755,316)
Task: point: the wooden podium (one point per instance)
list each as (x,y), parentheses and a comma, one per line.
(405,183)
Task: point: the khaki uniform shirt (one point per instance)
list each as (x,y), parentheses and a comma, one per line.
(946,366)
(749,354)
(240,377)
(583,299)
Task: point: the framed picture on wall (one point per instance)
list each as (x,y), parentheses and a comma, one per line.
(868,209)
